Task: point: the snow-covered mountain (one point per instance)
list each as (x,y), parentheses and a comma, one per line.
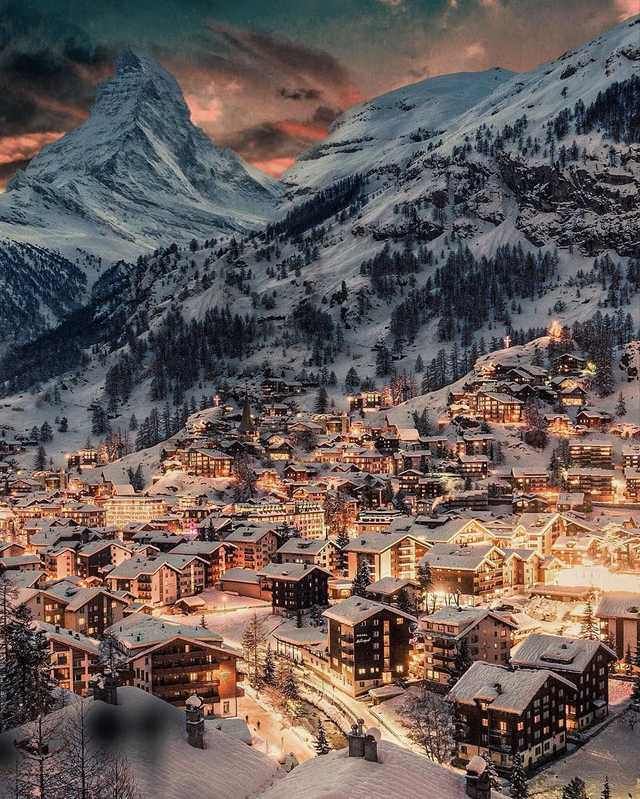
(446,216)
(136,175)
(391,128)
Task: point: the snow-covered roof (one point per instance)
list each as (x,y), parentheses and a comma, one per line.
(308,546)
(291,571)
(375,542)
(463,556)
(141,630)
(619,605)
(356,609)
(389,585)
(241,576)
(69,637)
(507,690)
(164,764)
(400,772)
(557,652)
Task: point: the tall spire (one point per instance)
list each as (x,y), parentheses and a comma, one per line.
(246,423)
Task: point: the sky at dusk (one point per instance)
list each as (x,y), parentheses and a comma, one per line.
(265,77)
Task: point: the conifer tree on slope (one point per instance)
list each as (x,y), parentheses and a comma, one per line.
(519,787)
(362,579)
(321,744)
(28,690)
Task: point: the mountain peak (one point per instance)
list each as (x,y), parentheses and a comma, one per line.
(137,169)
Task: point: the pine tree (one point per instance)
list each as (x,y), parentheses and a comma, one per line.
(321,744)
(269,668)
(40,460)
(491,771)
(404,602)
(426,581)
(26,675)
(519,787)
(589,627)
(133,423)
(461,663)
(322,401)
(621,407)
(576,789)
(606,789)
(419,365)
(46,433)
(253,639)
(352,379)
(288,688)
(362,579)
(203,622)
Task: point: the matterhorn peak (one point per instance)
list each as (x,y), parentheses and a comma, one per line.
(137,170)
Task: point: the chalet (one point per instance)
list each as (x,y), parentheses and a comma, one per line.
(631,458)
(296,587)
(369,644)
(591,452)
(567,363)
(558,424)
(325,554)
(93,558)
(370,461)
(619,614)
(502,711)
(473,574)
(255,544)
(598,483)
(531,503)
(365,401)
(593,420)
(172,661)
(496,407)
(394,591)
(207,463)
(74,658)
(218,555)
(632,490)
(476,444)
(475,467)
(409,479)
(485,635)
(386,554)
(160,579)
(575,550)
(582,661)
(529,480)
(297,472)
(575,397)
(521,570)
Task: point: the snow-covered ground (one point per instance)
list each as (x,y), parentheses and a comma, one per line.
(614,752)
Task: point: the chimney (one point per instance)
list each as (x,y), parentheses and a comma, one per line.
(355,739)
(194,707)
(477,782)
(371,740)
(105,687)
(363,744)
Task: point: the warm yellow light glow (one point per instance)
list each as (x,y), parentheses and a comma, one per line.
(555,329)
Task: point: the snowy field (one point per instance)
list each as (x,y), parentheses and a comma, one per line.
(231,616)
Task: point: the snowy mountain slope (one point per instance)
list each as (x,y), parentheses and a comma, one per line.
(307,286)
(38,289)
(393,127)
(135,175)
